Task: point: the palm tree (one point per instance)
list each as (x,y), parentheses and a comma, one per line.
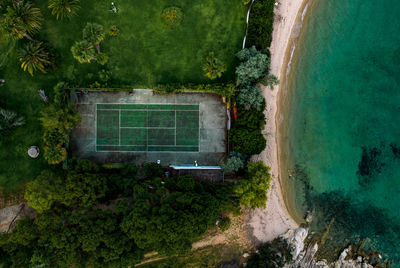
(21,20)
(83,51)
(64,8)
(94,33)
(9,120)
(34,56)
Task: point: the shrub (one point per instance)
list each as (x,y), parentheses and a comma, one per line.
(261,24)
(252,190)
(270,81)
(102,58)
(150,170)
(224,223)
(254,65)
(273,254)
(172,16)
(223,89)
(250,97)
(248,142)
(213,67)
(114,31)
(54,154)
(232,164)
(246,2)
(58,120)
(252,118)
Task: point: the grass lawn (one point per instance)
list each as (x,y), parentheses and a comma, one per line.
(145,52)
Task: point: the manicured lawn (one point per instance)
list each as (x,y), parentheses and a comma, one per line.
(145,52)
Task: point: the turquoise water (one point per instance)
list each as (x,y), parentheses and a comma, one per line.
(344,122)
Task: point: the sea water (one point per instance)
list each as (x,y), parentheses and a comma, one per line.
(342,136)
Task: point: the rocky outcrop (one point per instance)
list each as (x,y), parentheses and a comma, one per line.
(305,257)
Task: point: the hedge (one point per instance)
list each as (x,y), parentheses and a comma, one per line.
(224,89)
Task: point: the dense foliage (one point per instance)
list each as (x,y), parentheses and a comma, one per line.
(251,119)
(261,24)
(252,190)
(254,65)
(232,164)
(213,67)
(169,217)
(248,142)
(223,89)
(58,119)
(83,220)
(274,254)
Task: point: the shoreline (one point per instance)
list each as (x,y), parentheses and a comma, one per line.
(267,224)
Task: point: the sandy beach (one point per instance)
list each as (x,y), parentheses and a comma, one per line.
(267,224)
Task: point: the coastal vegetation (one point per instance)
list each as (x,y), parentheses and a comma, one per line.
(261,24)
(252,189)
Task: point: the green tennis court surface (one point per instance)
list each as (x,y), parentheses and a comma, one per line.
(147,127)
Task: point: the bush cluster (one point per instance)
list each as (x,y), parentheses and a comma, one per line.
(223,89)
(58,119)
(261,24)
(247,137)
(253,188)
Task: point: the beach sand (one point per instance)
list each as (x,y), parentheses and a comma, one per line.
(267,224)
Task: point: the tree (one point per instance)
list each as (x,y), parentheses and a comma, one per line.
(61,119)
(21,20)
(42,192)
(252,190)
(83,51)
(163,216)
(247,141)
(251,119)
(94,34)
(253,66)
(9,120)
(232,164)
(64,8)
(270,80)
(213,67)
(250,97)
(83,189)
(273,254)
(35,56)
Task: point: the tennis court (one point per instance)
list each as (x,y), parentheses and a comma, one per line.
(147,127)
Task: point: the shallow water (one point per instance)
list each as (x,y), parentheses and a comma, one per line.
(343,123)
